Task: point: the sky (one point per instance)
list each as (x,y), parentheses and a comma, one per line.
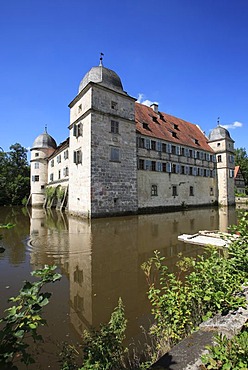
(189,56)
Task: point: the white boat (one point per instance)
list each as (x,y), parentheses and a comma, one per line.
(204,237)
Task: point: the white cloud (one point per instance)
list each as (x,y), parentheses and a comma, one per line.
(233,125)
(144,102)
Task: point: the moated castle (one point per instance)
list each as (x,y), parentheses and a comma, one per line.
(123,157)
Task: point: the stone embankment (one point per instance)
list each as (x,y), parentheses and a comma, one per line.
(187,354)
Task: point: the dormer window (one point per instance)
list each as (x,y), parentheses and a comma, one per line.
(174,134)
(145,126)
(176,127)
(196,142)
(154,118)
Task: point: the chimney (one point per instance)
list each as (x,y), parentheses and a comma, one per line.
(154,107)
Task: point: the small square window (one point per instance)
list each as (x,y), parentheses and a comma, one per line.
(114,105)
(36,154)
(174,191)
(154,190)
(191,191)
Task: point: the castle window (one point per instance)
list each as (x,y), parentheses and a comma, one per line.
(42,186)
(182,151)
(141,164)
(66,171)
(191,191)
(173,149)
(114,104)
(115,127)
(153,145)
(163,148)
(174,190)
(78,130)
(154,190)
(77,156)
(51,177)
(218,144)
(147,143)
(36,154)
(59,174)
(218,158)
(80,108)
(52,163)
(35,178)
(59,158)
(231,173)
(183,170)
(115,154)
(36,165)
(141,142)
(211,191)
(153,166)
(66,154)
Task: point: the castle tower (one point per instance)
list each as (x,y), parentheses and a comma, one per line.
(103,175)
(43,146)
(223,146)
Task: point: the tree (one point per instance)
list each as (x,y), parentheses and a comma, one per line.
(241,159)
(14,175)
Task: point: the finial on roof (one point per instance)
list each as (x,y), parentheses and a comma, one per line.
(218,121)
(101,58)
(46,129)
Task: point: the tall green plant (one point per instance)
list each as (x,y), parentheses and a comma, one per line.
(103,348)
(24,318)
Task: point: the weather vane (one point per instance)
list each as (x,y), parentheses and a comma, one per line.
(46,128)
(101,58)
(218,121)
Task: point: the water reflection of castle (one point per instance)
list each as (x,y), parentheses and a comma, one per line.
(102,257)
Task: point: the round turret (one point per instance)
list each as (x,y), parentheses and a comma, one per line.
(219,133)
(103,76)
(44,141)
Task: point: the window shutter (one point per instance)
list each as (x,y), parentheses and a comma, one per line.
(194,171)
(159,146)
(168,147)
(147,143)
(186,152)
(158,166)
(168,167)
(178,150)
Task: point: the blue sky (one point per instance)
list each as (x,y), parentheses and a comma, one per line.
(190,56)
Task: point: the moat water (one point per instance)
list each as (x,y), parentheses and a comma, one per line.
(100,261)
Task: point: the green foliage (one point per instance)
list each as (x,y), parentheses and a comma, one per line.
(50,194)
(24,318)
(60,193)
(14,175)
(209,284)
(103,349)
(228,354)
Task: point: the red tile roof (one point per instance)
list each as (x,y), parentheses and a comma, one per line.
(236,170)
(169,128)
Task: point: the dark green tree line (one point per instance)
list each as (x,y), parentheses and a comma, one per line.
(14,175)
